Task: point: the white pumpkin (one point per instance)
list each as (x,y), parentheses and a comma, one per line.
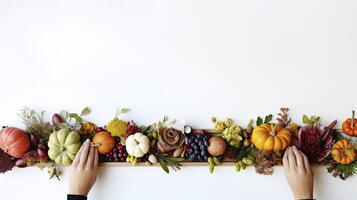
(137,145)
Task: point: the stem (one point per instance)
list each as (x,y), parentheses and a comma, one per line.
(353,119)
(273,132)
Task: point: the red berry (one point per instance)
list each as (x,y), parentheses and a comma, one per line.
(187,148)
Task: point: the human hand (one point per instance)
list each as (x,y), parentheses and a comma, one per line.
(298,173)
(83,172)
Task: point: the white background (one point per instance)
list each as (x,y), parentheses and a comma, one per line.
(186,59)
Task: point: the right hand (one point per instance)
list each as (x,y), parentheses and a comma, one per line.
(83,172)
(298,173)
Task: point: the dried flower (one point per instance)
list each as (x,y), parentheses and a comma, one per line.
(232,133)
(117,127)
(264,162)
(169,139)
(284,118)
(87,128)
(315,141)
(35,124)
(6,162)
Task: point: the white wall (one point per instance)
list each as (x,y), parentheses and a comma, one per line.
(185,59)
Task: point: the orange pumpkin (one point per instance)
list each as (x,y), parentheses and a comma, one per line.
(350,125)
(14,141)
(105,142)
(343,152)
(271,138)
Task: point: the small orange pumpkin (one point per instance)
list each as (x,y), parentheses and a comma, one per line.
(350,125)
(271,138)
(105,142)
(343,152)
(14,141)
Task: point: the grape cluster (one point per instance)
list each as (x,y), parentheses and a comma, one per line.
(118,154)
(196,149)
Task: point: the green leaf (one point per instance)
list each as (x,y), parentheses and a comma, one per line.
(121,111)
(349,169)
(164,166)
(259,121)
(76,117)
(124,110)
(62,125)
(268,119)
(306,120)
(85,111)
(64,114)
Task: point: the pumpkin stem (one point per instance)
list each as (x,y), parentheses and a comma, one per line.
(353,119)
(63,148)
(273,132)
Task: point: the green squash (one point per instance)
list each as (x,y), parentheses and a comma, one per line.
(63,146)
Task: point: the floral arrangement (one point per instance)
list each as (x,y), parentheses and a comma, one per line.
(170,143)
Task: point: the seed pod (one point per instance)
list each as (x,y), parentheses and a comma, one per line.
(238,167)
(246,143)
(211,167)
(216,161)
(135,161)
(152,159)
(21,163)
(249,128)
(154,134)
(210,160)
(251,157)
(57,119)
(243,166)
(247,161)
(152,143)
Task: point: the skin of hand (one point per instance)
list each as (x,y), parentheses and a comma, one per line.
(298,173)
(83,172)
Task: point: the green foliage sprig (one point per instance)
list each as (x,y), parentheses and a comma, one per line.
(165,162)
(70,117)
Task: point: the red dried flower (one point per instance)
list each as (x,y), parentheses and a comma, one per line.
(6,162)
(315,142)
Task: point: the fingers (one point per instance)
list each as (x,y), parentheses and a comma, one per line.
(96,159)
(84,153)
(286,161)
(299,160)
(77,157)
(90,160)
(306,163)
(292,159)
